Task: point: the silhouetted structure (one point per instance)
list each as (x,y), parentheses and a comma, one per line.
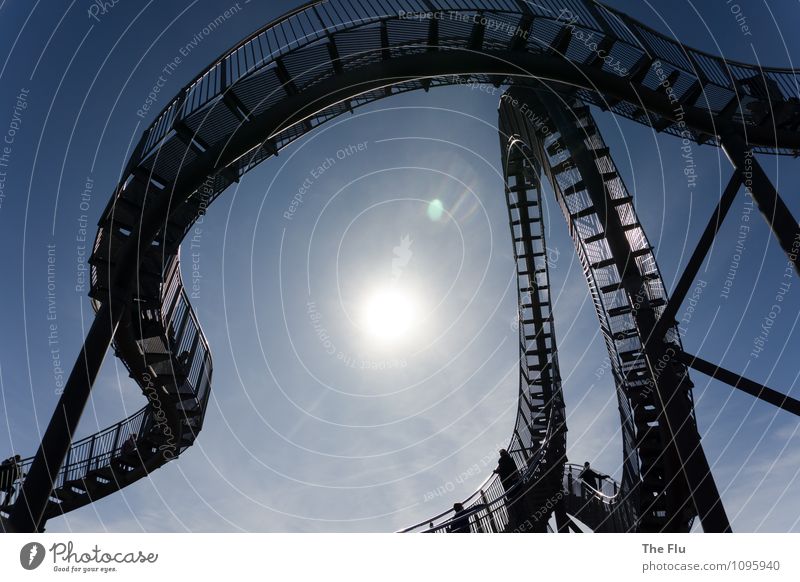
(261,96)
(512,485)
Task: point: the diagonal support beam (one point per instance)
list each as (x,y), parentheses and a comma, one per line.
(777,214)
(750,387)
(667,319)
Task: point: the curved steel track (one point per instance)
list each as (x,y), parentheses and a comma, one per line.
(328,58)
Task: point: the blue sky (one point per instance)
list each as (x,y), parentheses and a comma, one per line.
(298,437)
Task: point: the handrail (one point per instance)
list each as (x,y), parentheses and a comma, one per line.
(692,68)
(533,464)
(69,471)
(627,19)
(480,488)
(501,500)
(610,499)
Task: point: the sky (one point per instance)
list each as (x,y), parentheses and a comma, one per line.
(314,423)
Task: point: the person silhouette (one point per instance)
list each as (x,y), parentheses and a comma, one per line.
(9,475)
(591,477)
(129,446)
(183,362)
(511,481)
(460,522)
(6,484)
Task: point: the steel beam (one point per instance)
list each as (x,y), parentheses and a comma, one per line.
(667,319)
(769,202)
(747,386)
(27,515)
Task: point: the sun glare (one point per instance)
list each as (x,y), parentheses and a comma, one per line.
(389,314)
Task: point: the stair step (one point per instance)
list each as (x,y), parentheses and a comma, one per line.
(588,211)
(521,187)
(171,381)
(626,334)
(538,335)
(190,412)
(564,166)
(612,287)
(604,263)
(106,473)
(76,484)
(574,189)
(630,355)
(65,494)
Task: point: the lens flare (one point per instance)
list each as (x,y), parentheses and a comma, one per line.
(435,210)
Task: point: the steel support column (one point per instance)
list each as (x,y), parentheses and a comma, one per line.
(28,511)
(681,439)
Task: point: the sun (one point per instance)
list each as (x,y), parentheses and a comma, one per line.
(389,314)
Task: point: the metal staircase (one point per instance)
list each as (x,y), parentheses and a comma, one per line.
(173,367)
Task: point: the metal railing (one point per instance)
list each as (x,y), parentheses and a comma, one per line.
(99,450)
(608,507)
(89,453)
(723,79)
(184,339)
(486,507)
(609,491)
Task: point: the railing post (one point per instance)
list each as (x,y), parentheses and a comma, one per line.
(117,430)
(179,332)
(91,454)
(223,74)
(492,521)
(66,465)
